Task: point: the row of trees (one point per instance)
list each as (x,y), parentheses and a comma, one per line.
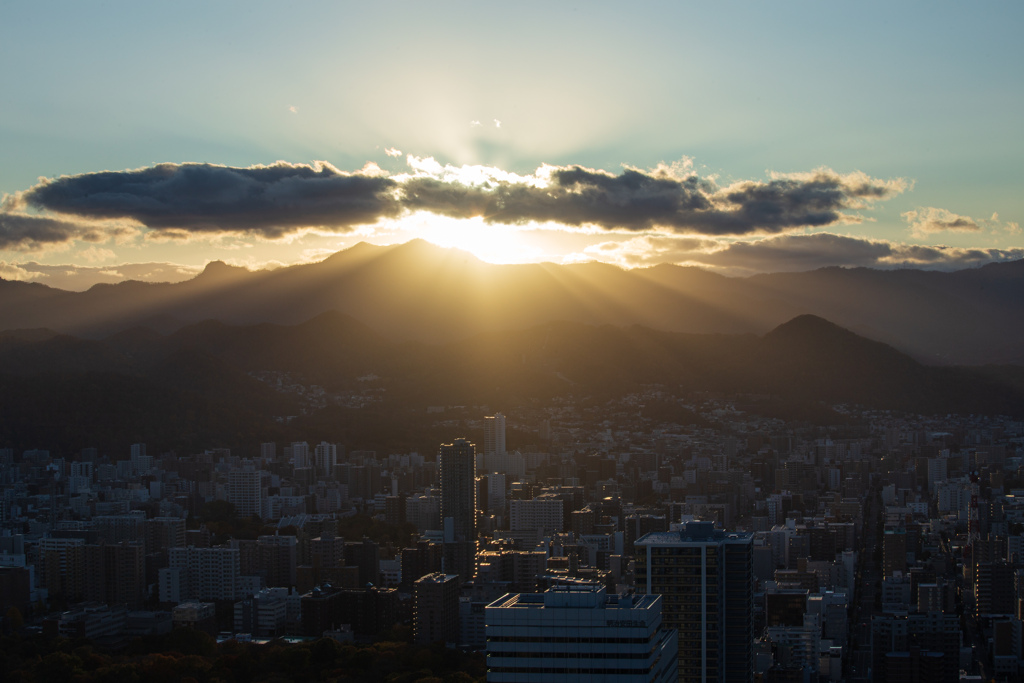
(192,656)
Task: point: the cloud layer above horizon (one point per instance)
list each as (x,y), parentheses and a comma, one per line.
(792,253)
(665,214)
(180,200)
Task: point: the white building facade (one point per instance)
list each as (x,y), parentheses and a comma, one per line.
(578,633)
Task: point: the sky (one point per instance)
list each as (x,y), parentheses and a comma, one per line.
(144,140)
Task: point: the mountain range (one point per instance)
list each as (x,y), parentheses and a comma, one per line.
(199,386)
(418,292)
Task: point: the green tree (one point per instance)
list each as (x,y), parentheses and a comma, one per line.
(13,621)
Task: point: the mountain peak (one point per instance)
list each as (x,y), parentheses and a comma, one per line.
(806,324)
(218,270)
(426,248)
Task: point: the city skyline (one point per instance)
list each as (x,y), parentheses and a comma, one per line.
(468,342)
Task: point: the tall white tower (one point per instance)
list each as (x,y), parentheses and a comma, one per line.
(494,435)
(326,458)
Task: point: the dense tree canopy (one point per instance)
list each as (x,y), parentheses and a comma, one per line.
(187,655)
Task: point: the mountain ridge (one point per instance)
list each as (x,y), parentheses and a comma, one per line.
(198,385)
(418,291)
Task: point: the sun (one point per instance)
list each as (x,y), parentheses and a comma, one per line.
(500,244)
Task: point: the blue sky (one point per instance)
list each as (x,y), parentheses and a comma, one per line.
(740,92)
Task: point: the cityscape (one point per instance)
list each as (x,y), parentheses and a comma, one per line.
(740,548)
(527,342)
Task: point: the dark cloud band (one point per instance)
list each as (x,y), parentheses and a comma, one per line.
(270,201)
(27,232)
(639,201)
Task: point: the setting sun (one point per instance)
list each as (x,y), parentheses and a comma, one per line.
(491,243)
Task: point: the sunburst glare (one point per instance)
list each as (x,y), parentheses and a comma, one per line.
(491,243)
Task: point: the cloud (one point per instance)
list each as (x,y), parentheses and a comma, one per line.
(393,152)
(13,271)
(293,109)
(800,252)
(928,220)
(647,250)
(638,200)
(79,278)
(474,123)
(497,123)
(792,253)
(181,199)
(29,232)
(96,254)
(177,201)
(949,258)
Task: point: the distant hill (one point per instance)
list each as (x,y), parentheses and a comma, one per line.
(197,385)
(417,291)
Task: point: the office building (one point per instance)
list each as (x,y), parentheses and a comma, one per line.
(578,633)
(63,567)
(198,615)
(531,520)
(705,577)
(494,443)
(200,574)
(163,533)
(297,454)
(494,434)
(120,528)
(245,490)
(915,647)
(115,574)
(325,458)
(264,614)
(457,465)
(425,558)
(894,551)
(436,609)
(369,611)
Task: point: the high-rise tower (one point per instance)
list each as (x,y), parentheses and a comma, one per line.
(705,576)
(494,435)
(457,465)
(245,490)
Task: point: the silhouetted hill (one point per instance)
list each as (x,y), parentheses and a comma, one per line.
(198,386)
(419,292)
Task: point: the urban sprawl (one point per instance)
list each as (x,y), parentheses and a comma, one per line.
(736,548)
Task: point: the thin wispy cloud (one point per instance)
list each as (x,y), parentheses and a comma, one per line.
(78,277)
(929,220)
(791,253)
(96,254)
(14,271)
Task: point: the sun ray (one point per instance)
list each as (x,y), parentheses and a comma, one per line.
(498,244)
